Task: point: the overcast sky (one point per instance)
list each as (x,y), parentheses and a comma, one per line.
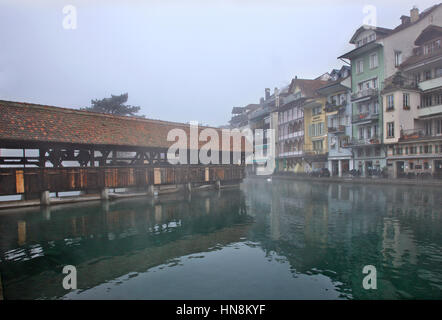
(179,60)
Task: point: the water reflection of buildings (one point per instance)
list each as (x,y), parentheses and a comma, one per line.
(106,241)
(336,229)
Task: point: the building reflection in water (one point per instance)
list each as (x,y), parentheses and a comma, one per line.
(330,230)
(336,229)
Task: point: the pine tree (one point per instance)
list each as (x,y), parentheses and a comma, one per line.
(113,105)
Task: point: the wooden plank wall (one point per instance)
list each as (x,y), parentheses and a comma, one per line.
(35,180)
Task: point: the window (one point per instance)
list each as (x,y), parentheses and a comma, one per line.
(316,129)
(390,102)
(438,72)
(360,66)
(374,83)
(417,77)
(375,130)
(397,58)
(406,100)
(316,110)
(439,126)
(376,108)
(427,100)
(390,129)
(373,60)
(428,128)
(427,75)
(317,145)
(361,133)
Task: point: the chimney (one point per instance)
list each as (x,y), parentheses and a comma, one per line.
(276,92)
(414,14)
(267,93)
(405,19)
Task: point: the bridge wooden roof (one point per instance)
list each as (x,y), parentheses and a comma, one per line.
(32,123)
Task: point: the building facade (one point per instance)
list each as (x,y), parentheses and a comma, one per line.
(338,112)
(367,64)
(295,119)
(413,110)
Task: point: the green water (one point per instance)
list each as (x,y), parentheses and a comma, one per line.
(269,240)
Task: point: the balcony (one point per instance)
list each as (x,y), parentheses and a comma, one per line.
(367,93)
(292,135)
(290,154)
(332,107)
(337,129)
(261,112)
(365,116)
(429,111)
(415,134)
(369,141)
(430,84)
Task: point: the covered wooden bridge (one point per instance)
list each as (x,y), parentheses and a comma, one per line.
(71,150)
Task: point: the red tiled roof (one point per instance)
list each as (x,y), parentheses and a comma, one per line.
(26,122)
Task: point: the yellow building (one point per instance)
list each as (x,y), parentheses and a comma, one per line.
(315,137)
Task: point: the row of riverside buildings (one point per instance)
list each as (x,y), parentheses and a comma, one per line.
(381,112)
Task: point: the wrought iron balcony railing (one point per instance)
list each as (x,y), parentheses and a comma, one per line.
(364,93)
(365,116)
(365,141)
(336,129)
(332,107)
(412,134)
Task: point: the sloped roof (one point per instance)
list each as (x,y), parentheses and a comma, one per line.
(33,123)
(308,87)
(380,32)
(422,15)
(428,33)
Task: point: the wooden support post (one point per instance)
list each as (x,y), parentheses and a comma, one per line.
(218,184)
(46,213)
(151,190)
(104,193)
(92,158)
(41,155)
(1,289)
(45,200)
(189,187)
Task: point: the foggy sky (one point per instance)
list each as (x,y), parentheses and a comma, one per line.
(179,60)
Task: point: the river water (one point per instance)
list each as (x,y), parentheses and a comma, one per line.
(266,240)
